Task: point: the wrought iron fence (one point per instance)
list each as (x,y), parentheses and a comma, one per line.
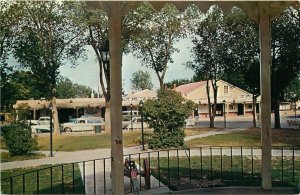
(176,169)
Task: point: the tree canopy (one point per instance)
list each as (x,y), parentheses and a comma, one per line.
(67,89)
(141,80)
(154,45)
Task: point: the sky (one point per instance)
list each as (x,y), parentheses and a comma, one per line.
(87,72)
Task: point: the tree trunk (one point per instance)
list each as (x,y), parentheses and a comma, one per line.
(277,115)
(211,116)
(107,118)
(55,117)
(254,109)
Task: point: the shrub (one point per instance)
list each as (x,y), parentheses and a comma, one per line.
(18,139)
(166,115)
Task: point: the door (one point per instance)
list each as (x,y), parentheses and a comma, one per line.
(240,109)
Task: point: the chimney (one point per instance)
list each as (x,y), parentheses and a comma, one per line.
(174,86)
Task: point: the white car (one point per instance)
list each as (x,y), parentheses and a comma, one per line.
(42,125)
(83,124)
(136,123)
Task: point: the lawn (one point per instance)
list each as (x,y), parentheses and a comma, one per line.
(250,137)
(44,185)
(75,142)
(185,173)
(6,158)
(200,130)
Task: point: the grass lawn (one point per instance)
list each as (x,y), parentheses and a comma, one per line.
(44,179)
(75,142)
(250,137)
(214,172)
(6,158)
(200,130)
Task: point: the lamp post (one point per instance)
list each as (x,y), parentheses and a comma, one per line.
(51,130)
(224,101)
(131,117)
(142,122)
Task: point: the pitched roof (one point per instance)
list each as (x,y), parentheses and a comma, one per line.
(146,93)
(187,88)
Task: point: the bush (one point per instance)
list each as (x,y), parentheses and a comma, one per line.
(166,115)
(18,139)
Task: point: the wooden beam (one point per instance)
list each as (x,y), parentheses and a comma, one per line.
(115,50)
(265,87)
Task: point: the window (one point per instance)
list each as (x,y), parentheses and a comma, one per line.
(225,89)
(230,107)
(250,106)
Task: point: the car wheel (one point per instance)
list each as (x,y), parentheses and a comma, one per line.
(68,129)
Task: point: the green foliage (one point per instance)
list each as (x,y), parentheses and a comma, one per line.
(22,112)
(141,80)
(18,139)
(292,92)
(166,115)
(18,85)
(154,45)
(66,89)
(46,37)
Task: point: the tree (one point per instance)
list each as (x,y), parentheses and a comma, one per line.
(285,52)
(95,24)
(243,43)
(154,45)
(211,57)
(67,89)
(19,85)
(141,80)
(9,19)
(47,36)
(166,115)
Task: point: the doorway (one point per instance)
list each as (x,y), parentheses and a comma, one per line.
(240,109)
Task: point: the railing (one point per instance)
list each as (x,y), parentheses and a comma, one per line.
(177,169)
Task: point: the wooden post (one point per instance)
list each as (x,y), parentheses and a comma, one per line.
(115,50)
(265,87)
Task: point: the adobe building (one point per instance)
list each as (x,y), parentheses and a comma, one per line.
(76,107)
(230,99)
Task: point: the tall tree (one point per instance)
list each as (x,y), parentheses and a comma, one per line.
(285,52)
(155,44)
(211,57)
(47,36)
(141,80)
(9,20)
(96,27)
(243,43)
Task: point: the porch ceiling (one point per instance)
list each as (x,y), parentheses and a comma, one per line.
(250,7)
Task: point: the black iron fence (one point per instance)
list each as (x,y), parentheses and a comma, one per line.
(176,169)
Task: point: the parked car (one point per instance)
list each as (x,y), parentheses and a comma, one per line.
(42,125)
(136,123)
(83,124)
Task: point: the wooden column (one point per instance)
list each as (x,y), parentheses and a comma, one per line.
(265,87)
(34,114)
(115,50)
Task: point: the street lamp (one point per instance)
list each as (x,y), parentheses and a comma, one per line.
(142,122)
(131,116)
(224,101)
(51,129)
